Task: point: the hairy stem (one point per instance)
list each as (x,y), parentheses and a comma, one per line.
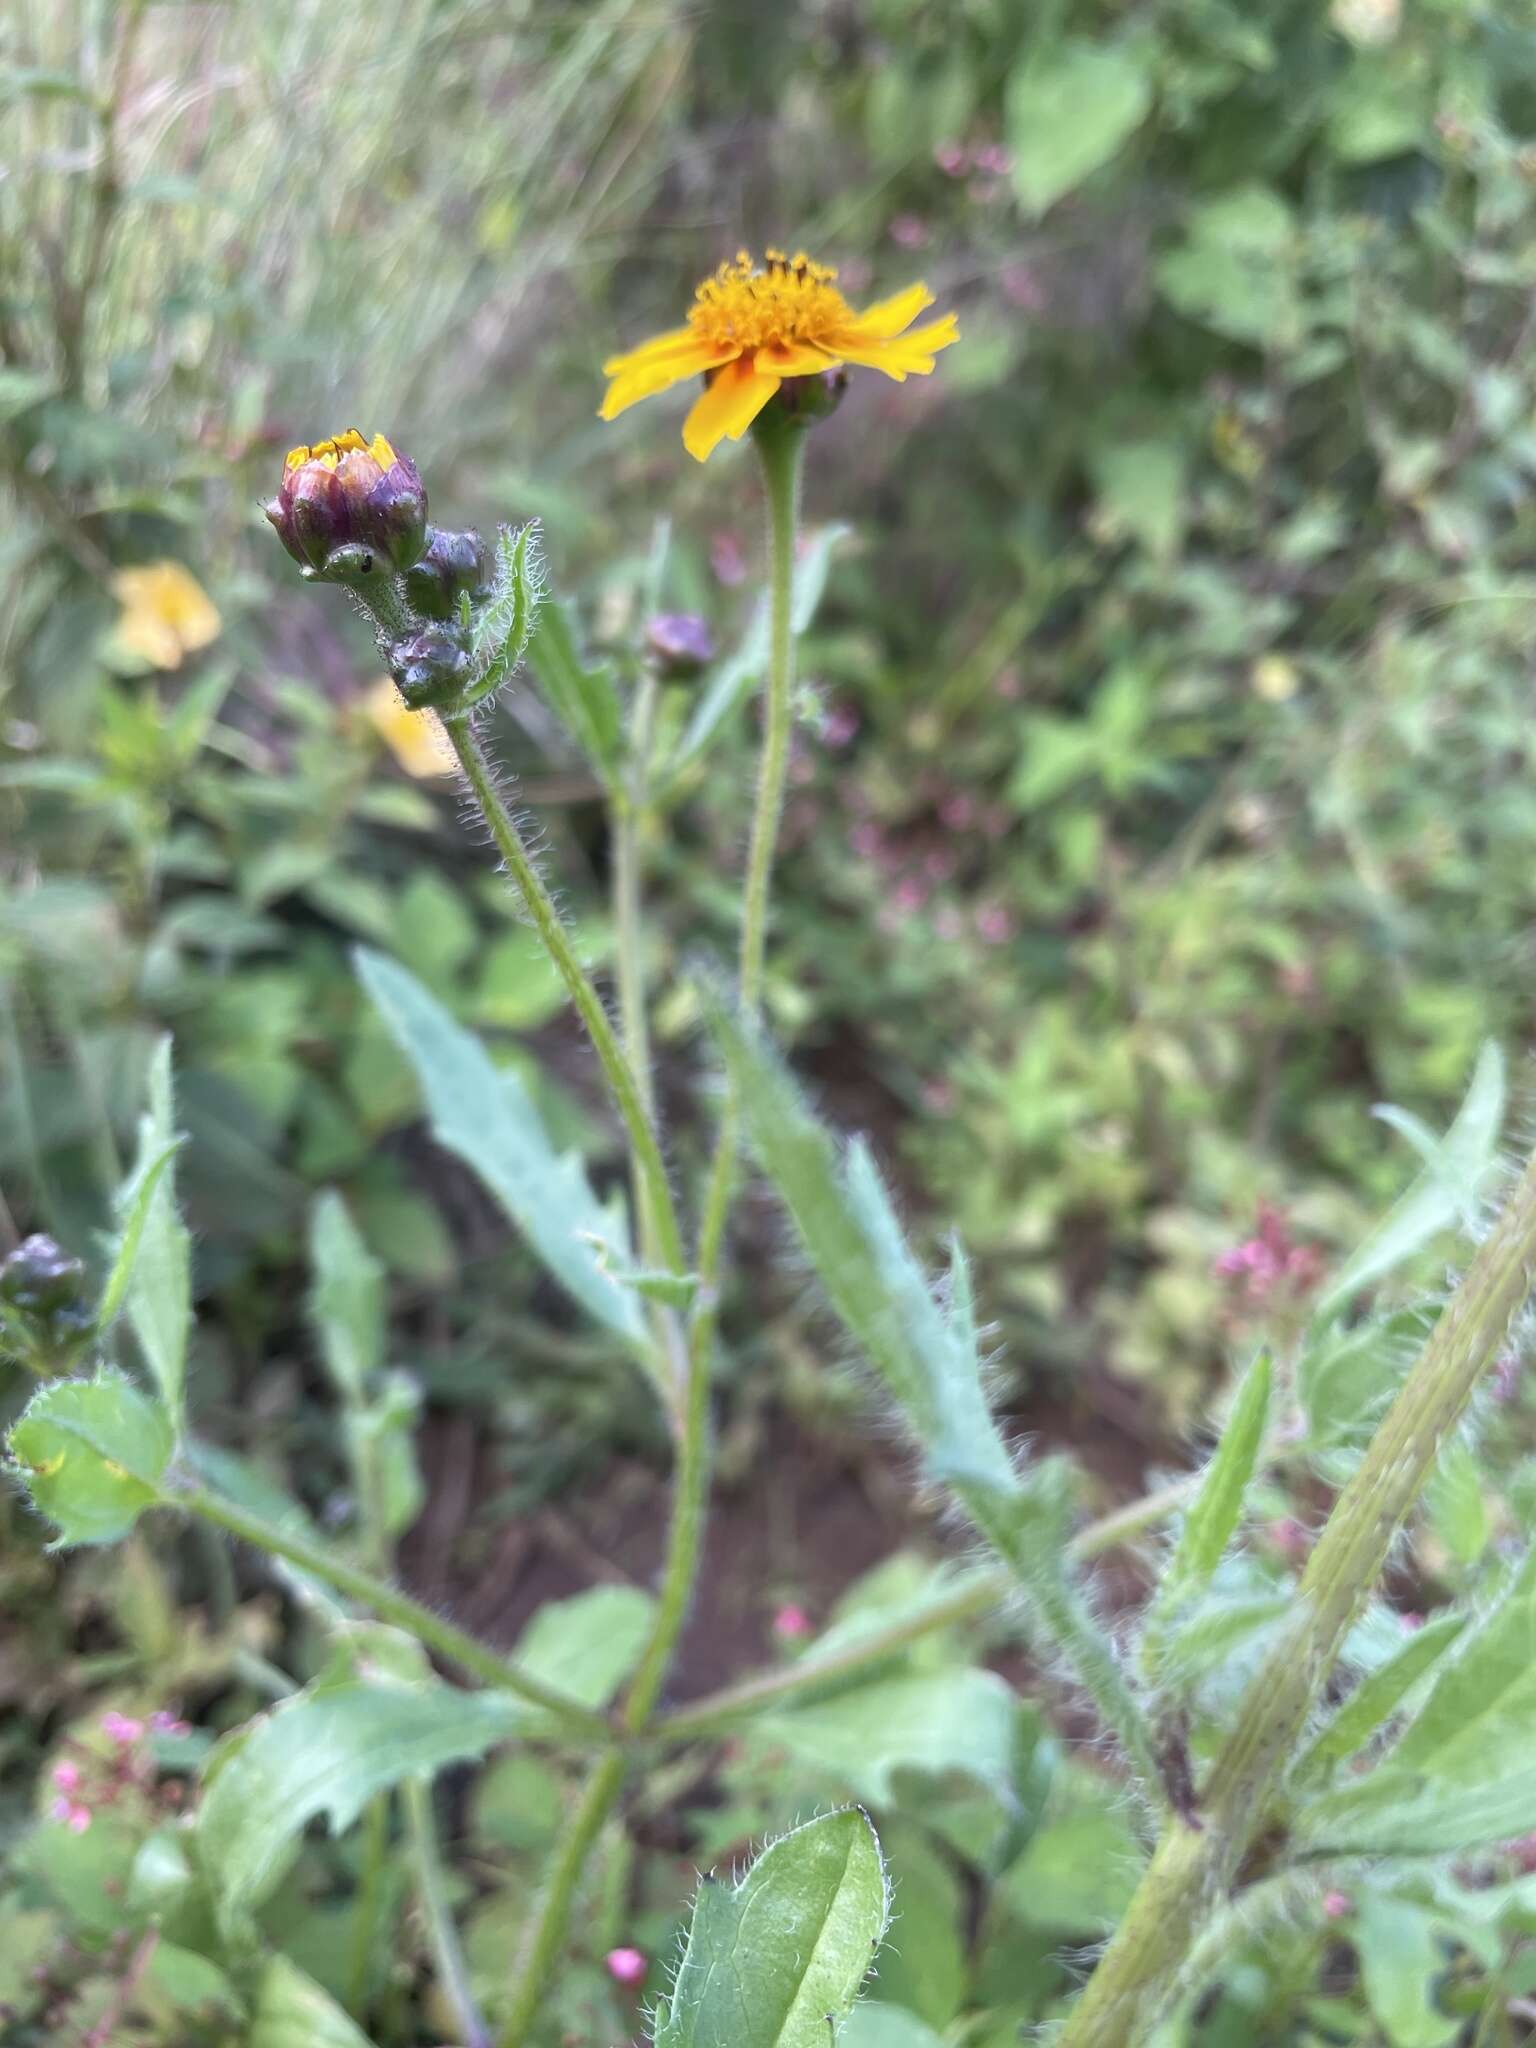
(546,1931)
(442,1935)
(392,1605)
(628,923)
(980,1594)
(622,1084)
(1194,1867)
(780,447)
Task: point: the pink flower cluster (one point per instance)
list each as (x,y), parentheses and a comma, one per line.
(83,1787)
(1271,1263)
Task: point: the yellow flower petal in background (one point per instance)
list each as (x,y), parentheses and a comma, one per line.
(415,738)
(166,613)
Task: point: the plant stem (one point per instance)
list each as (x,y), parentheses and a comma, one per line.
(1195,1867)
(780,448)
(369,1904)
(392,1605)
(452,1970)
(685,1536)
(628,826)
(622,1084)
(978,1596)
(546,1935)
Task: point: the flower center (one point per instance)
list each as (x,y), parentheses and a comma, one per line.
(791,299)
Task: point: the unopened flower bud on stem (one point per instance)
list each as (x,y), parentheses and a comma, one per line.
(347,508)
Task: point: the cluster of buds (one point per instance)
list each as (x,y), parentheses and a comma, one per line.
(85,1782)
(1271,1265)
(354,512)
(43,1309)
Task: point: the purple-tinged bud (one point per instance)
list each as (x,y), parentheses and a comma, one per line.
(680,642)
(347,507)
(452,565)
(431,669)
(40,1277)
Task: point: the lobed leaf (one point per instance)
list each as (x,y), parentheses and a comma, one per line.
(486,1116)
(92,1455)
(326,1751)
(927,1358)
(1379,1695)
(505,622)
(776,1961)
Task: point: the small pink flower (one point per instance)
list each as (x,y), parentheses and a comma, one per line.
(958,811)
(1506,1378)
(120,1728)
(67,1777)
(1337,1905)
(839,725)
(994,924)
(165,1723)
(791,1623)
(72,1814)
(909,231)
(1289,1537)
(909,895)
(626,1965)
(952,158)
(994,158)
(1410,1623)
(727,560)
(865,840)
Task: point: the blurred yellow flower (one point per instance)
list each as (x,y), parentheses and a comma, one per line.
(415,738)
(750,328)
(166,613)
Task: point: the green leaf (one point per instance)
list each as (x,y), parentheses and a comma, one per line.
(92,1454)
(1214,1514)
(1447,1194)
(1454,1502)
(1068,112)
(505,622)
(1235,271)
(347,1299)
(874,2024)
(1346,1377)
(1484,1702)
(134,1199)
(157,1288)
(1402,1959)
(776,1961)
(293,2012)
(926,1357)
(1379,1695)
(732,680)
(485,1115)
(328,1750)
(943,1723)
(585,700)
(1397,1812)
(584,1647)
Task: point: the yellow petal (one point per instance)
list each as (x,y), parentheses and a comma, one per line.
(646,379)
(734,398)
(792,359)
(415,738)
(658,345)
(903,355)
(890,316)
(166,612)
(381,452)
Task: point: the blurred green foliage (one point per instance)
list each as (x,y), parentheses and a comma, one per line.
(1163,798)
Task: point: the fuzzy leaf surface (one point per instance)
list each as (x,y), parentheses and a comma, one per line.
(92,1454)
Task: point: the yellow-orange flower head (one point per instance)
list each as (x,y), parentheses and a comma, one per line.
(751,327)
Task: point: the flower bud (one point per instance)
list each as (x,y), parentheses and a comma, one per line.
(451,566)
(430,669)
(801,401)
(346,507)
(40,1277)
(45,1290)
(680,643)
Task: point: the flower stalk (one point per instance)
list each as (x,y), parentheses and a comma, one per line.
(1195,1866)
